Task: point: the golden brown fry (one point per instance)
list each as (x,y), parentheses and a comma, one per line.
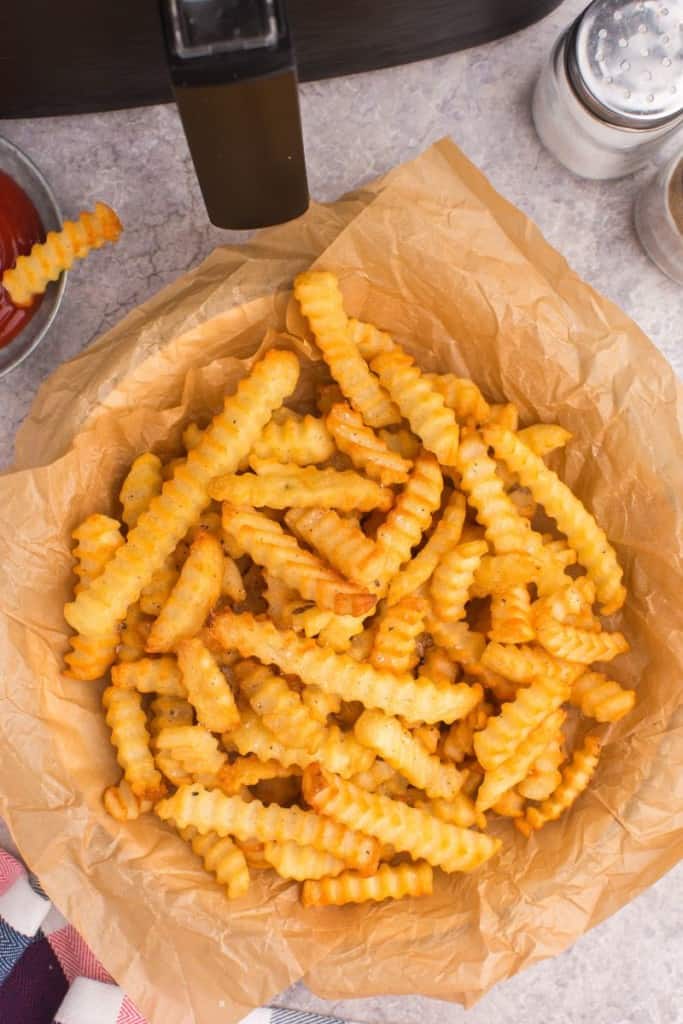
(183,499)
(389,883)
(369,340)
(497,573)
(143,482)
(410,516)
(462,396)
(302,487)
(207,688)
(458,811)
(269,545)
(301,862)
(516,767)
(340,542)
(249,770)
(321,303)
(47,260)
(150,675)
(121,803)
(419,569)
(156,593)
(394,645)
(280,707)
(364,447)
(416,699)
(575,778)
(453,578)
(420,402)
(97,539)
(601,698)
(90,656)
(194,595)
(221,858)
(511,616)
(543,438)
(168,711)
(411,831)
(192,746)
(301,440)
(579,645)
(232,584)
(510,805)
(405,753)
(505,416)
(213,811)
(128,723)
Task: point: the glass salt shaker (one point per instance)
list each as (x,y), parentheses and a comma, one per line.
(612,91)
(658,216)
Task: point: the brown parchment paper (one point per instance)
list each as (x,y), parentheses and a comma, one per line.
(433,254)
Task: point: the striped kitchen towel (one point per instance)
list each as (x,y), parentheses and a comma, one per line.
(48,975)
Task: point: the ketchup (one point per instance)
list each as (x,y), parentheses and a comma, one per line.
(20,228)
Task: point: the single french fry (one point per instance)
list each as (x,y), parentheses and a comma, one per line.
(412,831)
(516,767)
(194,595)
(182,500)
(394,645)
(150,675)
(458,811)
(410,516)
(511,616)
(128,723)
(520,664)
(453,578)
(419,569)
(601,698)
(143,482)
(416,699)
(364,447)
(121,803)
(222,858)
(579,645)
(207,688)
(301,440)
(462,396)
(368,339)
(321,303)
(192,746)
(91,656)
(213,811)
(389,883)
(280,707)
(398,747)
(302,862)
(31,274)
(302,487)
(583,533)
(575,778)
(543,438)
(268,544)
(420,402)
(340,542)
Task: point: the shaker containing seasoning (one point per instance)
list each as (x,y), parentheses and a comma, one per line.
(612,91)
(658,216)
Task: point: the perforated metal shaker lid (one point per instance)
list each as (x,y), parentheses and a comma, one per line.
(625,60)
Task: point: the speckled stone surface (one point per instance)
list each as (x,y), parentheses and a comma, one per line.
(630,969)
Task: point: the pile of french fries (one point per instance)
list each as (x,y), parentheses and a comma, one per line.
(339,642)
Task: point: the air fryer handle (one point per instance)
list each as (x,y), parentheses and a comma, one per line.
(239,106)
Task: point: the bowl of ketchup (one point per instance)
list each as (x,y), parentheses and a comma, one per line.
(28,210)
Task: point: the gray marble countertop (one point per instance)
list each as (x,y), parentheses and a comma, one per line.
(630,968)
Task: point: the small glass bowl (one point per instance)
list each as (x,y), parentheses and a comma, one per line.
(26,174)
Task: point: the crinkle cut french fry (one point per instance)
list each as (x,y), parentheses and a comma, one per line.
(213,811)
(270,546)
(156,593)
(249,770)
(573,519)
(302,487)
(462,396)
(504,732)
(601,698)
(128,723)
(302,440)
(194,595)
(91,656)
(321,303)
(416,699)
(225,442)
(543,438)
(411,515)
(510,805)
(222,858)
(47,260)
(97,539)
(192,746)
(497,573)
(168,711)
(340,542)
(511,616)
(394,646)
(462,644)
(301,862)
(575,778)
(458,811)
(369,340)
(445,536)
(150,675)
(515,768)
(207,688)
(420,402)
(580,645)
(411,831)
(394,744)
(504,415)
(521,664)
(121,803)
(280,707)
(389,883)
(143,482)
(364,447)
(453,578)
(506,530)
